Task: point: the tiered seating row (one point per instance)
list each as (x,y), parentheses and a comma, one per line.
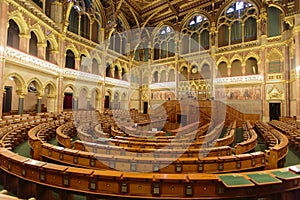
(291,130)
(152,153)
(228,138)
(149,164)
(250,139)
(93,182)
(65,133)
(277,151)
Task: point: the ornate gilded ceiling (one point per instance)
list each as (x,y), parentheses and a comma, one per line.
(152,12)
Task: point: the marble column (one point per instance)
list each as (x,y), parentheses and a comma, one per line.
(297,55)
(21,104)
(3,38)
(39,105)
(60,96)
(41,47)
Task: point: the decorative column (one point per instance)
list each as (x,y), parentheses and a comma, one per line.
(243,68)
(287,77)
(214,45)
(112,72)
(24,42)
(51,103)
(39,105)
(60,94)
(229,70)
(21,104)
(61,57)
(297,55)
(3,38)
(77,64)
(41,53)
(98,103)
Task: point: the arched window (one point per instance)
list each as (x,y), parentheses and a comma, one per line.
(197,30)
(236,32)
(95,31)
(183,74)
(204,39)
(251,66)
(222,68)
(274,22)
(107,70)
(250,29)
(116,75)
(164,45)
(33,44)
(234,16)
(13,35)
(223,37)
(73,20)
(85,26)
(48,51)
(163,76)
(118,39)
(70,60)
(86,15)
(236,68)
(171,77)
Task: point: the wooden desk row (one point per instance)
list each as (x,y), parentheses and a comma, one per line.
(278,152)
(152,153)
(250,143)
(93,182)
(149,164)
(206,140)
(65,133)
(229,136)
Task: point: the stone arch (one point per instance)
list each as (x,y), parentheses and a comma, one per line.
(22,24)
(53,42)
(74,50)
(192,14)
(52,87)
(257,3)
(158,27)
(236,57)
(21,86)
(39,85)
(36,28)
(222,59)
(252,55)
(74,89)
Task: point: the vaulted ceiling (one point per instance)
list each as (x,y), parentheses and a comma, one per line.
(141,13)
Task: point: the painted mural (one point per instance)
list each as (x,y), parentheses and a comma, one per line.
(239,93)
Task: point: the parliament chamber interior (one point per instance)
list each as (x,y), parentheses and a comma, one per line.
(149,99)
